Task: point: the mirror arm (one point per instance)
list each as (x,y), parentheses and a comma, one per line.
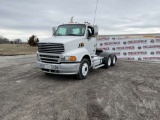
(53,31)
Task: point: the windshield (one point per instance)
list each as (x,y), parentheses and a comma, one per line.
(71,30)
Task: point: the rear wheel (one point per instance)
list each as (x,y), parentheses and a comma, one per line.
(113,61)
(107,62)
(83,69)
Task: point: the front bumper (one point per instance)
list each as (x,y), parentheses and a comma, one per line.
(63,68)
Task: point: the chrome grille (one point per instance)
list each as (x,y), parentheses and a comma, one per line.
(56,48)
(49,58)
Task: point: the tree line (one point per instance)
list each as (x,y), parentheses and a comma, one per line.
(32,41)
(7,41)
(4,40)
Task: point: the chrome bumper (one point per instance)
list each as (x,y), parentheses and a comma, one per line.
(63,68)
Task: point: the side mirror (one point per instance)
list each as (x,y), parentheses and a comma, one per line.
(88,34)
(53,31)
(95,30)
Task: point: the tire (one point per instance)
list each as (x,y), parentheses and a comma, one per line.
(107,62)
(83,69)
(113,60)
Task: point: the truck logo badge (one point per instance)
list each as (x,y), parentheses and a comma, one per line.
(152,41)
(125,53)
(101,44)
(139,47)
(152,53)
(124,43)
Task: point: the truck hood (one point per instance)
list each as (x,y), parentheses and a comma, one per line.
(70,42)
(61,39)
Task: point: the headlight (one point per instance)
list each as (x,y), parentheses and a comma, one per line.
(69,58)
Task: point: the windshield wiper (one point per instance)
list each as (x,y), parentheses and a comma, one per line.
(73,34)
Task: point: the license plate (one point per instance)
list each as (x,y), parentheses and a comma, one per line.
(48,66)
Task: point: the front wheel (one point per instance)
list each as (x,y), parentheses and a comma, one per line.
(83,69)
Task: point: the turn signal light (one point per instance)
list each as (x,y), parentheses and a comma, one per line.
(72,58)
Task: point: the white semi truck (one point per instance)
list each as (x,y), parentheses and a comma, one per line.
(72,51)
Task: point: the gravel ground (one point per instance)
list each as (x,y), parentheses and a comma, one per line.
(127,91)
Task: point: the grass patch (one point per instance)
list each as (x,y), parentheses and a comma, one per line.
(16,49)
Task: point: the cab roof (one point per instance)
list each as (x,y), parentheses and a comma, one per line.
(72,23)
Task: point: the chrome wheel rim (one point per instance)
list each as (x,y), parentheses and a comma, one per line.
(109,61)
(114,60)
(84,69)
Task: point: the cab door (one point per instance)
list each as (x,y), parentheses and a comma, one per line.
(90,42)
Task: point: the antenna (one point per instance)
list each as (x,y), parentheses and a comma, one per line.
(95,13)
(71,19)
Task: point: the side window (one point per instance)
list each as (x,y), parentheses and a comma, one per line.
(62,31)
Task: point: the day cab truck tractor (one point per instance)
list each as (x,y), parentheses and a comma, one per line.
(72,51)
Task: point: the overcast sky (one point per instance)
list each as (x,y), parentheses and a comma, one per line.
(22,18)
